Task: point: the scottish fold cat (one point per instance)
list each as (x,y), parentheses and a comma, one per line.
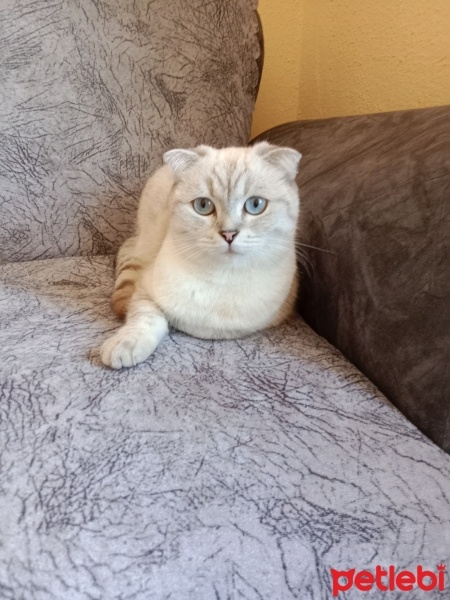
(214,250)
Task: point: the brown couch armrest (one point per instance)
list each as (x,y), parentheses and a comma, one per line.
(375,193)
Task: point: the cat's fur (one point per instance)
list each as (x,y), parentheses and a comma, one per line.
(178,268)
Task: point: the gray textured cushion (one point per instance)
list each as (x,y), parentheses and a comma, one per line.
(376,197)
(91,95)
(235,469)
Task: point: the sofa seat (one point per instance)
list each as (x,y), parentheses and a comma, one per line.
(216,469)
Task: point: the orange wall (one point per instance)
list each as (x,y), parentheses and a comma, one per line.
(340,57)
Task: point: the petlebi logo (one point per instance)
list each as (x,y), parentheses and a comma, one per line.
(388,580)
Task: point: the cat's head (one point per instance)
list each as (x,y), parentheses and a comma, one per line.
(234,205)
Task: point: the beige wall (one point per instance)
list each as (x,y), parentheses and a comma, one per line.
(329,58)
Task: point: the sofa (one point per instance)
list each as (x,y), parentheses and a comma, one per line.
(258,468)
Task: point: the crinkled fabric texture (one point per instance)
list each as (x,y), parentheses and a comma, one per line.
(376,198)
(234,469)
(93,93)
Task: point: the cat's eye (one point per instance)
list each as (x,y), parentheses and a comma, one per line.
(255,205)
(203,206)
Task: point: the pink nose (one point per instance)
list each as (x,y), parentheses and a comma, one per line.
(228,235)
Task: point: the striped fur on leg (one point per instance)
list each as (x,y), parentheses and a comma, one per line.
(128,273)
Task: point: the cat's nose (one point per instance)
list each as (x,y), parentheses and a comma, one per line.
(229,235)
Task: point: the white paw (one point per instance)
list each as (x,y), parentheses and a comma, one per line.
(127,349)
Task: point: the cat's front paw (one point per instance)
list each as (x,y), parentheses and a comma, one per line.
(126,349)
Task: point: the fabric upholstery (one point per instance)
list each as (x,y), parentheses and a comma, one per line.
(93,93)
(376,198)
(235,469)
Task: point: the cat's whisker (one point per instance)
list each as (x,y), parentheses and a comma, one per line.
(298,244)
(306,263)
(315,248)
(183,249)
(302,256)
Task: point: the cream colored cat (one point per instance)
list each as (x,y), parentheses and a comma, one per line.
(214,251)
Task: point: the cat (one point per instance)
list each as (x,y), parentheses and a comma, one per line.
(214,250)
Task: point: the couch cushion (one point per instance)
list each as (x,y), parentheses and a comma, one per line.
(376,197)
(213,470)
(92,94)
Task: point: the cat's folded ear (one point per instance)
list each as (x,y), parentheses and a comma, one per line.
(180,159)
(285,158)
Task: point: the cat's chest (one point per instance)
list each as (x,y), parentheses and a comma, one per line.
(227,303)
(182,292)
